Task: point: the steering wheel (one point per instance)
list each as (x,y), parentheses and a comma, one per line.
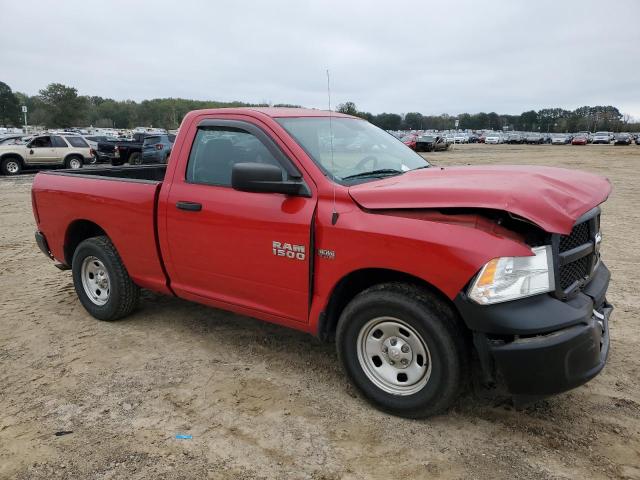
(365,160)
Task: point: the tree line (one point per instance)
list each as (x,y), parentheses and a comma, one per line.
(60,106)
(607,118)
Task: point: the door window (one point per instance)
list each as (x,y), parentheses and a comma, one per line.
(77,142)
(58,142)
(41,142)
(215,152)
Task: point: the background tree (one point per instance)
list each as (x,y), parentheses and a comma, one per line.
(388,121)
(64,106)
(9,107)
(413,121)
(348,108)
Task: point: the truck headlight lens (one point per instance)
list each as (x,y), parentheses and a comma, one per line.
(508,278)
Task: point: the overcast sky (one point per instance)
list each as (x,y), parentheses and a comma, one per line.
(432,57)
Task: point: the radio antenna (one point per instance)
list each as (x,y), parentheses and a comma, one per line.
(334,213)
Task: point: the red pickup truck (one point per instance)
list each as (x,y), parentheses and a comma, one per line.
(327,224)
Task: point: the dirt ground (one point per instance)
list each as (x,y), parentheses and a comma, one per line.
(261,401)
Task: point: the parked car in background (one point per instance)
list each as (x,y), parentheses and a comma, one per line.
(622,139)
(431,143)
(11,139)
(601,138)
(461,138)
(157,148)
(514,138)
(534,139)
(638,139)
(560,139)
(409,141)
(69,151)
(494,138)
(587,134)
(580,139)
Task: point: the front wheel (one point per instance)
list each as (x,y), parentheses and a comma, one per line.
(101,280)
(11,166)
(402,348)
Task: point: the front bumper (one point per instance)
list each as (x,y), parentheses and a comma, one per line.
(541,345)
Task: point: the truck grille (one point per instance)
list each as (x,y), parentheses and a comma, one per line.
(577,254)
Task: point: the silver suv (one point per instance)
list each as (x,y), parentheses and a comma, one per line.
(68,151)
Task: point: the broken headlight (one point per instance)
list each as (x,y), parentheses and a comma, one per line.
(509,278)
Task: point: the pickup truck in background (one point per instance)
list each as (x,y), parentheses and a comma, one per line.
(415,271)
(68,151)
(120,152)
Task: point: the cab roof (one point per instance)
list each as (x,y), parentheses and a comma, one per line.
(278,112)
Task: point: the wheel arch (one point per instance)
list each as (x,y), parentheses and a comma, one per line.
(357,281)
(77,232)
(12,155)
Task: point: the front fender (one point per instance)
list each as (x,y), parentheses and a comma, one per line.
(444,255)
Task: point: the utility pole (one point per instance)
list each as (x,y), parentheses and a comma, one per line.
(24,110)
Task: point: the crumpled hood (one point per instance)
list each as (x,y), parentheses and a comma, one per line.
(552,198)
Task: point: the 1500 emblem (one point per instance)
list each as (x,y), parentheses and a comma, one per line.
(289,250)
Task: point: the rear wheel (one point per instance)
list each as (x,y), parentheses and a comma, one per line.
(73,163)
(134,159)
(11,166)
(101,280)
(402,348)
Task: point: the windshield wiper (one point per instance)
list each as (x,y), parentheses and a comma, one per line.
(374,173)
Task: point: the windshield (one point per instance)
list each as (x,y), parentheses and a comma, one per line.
(359,149)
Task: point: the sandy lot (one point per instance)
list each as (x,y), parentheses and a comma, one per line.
(264,402)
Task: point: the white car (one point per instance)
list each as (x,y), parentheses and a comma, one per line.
(601,137)
(559,140)
(493,138)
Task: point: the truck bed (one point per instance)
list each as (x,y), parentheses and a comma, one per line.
(122,202)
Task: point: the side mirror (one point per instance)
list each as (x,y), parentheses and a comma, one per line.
(262,178)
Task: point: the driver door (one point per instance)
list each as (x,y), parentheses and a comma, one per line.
(244,249)
(40,151)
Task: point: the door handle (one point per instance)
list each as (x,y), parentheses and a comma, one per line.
(190,206)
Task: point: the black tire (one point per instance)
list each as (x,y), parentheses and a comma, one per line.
(123,293)
(431,319)
(69,160)
(92,161)
(11,166)
(135,159)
